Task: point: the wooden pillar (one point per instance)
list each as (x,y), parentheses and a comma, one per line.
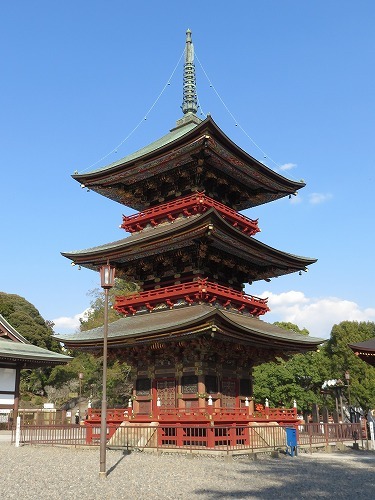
(180,402)
(201,390)
(16,394)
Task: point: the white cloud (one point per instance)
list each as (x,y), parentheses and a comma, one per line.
(288,166)
(318,315)
(296,199)
(317,198)
(68,324)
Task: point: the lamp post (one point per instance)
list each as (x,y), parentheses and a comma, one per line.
(107,280)
(80,378)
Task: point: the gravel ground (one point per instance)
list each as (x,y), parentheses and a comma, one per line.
(31,472)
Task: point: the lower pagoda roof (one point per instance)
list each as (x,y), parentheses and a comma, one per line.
(365,351)
(170,325)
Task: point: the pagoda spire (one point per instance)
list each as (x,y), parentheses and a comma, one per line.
(189,100)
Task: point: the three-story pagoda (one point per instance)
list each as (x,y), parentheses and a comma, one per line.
(191,334)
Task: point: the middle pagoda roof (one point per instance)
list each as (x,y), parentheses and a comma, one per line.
(194,156)
(220,245)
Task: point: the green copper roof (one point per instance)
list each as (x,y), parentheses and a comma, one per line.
(29,352)
(175,133)
(18,349)
(170,322)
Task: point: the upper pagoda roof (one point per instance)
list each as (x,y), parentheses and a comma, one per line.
(192,147)
(14,348)
(186,322)
(267,261)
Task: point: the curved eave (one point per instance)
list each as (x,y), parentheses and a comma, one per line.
(26,363)
(11,332)
(365,351)
(29,355)
(365,346)
(97,179)
(170,325)
(92,258)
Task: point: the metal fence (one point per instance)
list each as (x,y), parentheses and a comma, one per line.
(188,438)
(315,434)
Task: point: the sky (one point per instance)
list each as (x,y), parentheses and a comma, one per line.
(84,83)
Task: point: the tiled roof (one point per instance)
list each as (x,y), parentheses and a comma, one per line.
(20,350)
(190,320)
(367,345)
(174,134)
(176,231)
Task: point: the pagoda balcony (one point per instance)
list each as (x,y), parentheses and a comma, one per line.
(198,291)
(187,206)
(201,415)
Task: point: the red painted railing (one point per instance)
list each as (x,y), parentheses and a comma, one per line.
(196,414)
(187,206)
(194,291)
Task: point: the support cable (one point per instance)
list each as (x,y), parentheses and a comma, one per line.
(114,150)
(232,116)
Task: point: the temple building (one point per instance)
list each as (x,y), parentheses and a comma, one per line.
(191,333)
(365,350)
(17,353)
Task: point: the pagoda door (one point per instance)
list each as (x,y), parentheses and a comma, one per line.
(229,393)
(166,391)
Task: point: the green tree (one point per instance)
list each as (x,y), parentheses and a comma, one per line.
(95,314)
(298,378)
(118,385)
(342,359)
(26,319)
(287,325)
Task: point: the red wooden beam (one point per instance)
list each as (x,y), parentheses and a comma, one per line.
(193,291)
(187,206)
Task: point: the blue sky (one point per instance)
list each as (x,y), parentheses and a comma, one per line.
(77,77)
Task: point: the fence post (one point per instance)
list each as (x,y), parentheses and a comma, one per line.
(18,431)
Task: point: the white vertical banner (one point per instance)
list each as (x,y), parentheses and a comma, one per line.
(372,435)
(18,431)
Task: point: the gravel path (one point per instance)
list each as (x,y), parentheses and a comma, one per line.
(30,472)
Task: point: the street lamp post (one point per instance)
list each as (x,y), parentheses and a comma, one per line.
(107,280)
(80,378)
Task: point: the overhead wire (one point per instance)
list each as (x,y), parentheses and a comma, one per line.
(114,150)
(233,117)
(168,82)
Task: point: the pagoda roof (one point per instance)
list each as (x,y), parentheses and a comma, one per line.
(191,321)
(182,233)
(14,348)
(365,350)
(178,148)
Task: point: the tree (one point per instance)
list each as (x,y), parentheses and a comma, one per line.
(300,377)
(118,385)
(26,319)
(287,325)
(94,317)
(342,359)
